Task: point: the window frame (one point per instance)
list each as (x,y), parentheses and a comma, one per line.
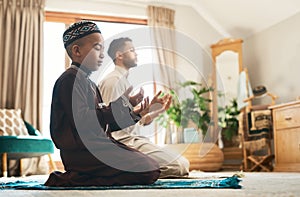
(69,17)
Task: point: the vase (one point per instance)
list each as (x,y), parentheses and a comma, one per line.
(207,157)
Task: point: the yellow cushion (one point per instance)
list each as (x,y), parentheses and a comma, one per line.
(11,123)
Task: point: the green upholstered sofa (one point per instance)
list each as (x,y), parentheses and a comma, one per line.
(18,147)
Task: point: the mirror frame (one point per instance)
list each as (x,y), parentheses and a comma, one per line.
(227,44)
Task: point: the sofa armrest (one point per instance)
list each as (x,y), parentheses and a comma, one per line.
(31,130)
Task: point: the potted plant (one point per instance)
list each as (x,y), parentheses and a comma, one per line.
(196,109)
(228,120)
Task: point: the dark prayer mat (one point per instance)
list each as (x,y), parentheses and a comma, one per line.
(229,182)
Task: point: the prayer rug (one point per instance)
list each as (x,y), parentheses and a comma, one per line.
(227,182)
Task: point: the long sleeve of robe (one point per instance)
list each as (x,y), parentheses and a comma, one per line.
(80,127)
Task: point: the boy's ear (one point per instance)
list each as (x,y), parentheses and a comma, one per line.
(76,50)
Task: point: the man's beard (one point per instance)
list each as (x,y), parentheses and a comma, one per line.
(130,64)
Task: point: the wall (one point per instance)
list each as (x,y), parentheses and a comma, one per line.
(193,27)
(94,7)
(273,59)
(189,22)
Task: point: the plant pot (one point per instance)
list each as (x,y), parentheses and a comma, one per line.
(191,135)
(233,142)
(206,157)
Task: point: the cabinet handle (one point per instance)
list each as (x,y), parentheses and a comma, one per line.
(288,118)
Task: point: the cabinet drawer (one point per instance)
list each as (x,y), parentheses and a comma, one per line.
(287,118)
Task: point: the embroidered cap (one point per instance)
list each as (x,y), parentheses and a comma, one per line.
(79,30)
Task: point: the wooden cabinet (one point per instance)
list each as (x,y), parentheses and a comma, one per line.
(286,123)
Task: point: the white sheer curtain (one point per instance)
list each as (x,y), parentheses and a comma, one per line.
(161,22)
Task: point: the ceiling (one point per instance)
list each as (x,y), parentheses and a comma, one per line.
(233,18)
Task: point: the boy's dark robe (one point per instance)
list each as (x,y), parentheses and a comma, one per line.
(80,127)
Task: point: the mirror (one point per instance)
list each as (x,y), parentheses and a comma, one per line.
(227,75)
(227,60)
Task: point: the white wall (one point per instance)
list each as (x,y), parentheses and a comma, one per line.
(196,36)
(273,59)
(94,7)
(189,22)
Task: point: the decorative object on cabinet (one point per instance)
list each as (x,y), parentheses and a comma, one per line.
(256,133)
(286,120)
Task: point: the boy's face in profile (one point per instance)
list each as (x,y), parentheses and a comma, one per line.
(92,51)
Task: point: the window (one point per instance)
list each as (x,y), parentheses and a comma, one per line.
(54,61)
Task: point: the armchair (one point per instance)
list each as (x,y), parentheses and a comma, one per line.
(26,146)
